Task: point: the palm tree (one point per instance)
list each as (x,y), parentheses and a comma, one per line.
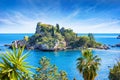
(114,73)
(13,66)
(88,65)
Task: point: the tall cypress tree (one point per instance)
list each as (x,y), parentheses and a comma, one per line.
(58,27)
(53,32)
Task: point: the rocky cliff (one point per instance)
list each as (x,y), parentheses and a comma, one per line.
(49,38)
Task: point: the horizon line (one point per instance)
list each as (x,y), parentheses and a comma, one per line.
(77,33)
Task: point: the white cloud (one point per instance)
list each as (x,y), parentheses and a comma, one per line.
(104,26)
(6,21)
(19,23)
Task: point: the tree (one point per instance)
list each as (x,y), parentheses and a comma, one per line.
(91,37)
(114,73)
(53,32)
(46,71)
(91,42)
(58,27)
(88,65)
(13,66)
(83,41)
(70,36)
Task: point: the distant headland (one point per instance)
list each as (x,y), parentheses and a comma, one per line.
(53,38)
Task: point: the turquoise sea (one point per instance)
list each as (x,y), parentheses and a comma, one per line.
(66,60)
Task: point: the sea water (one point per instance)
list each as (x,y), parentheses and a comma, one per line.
(66,60)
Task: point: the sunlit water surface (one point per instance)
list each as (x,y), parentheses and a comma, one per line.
(66,60)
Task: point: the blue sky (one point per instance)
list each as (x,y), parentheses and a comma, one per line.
(83,16)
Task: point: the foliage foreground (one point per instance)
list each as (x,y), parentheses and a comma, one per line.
(114,73)
(88,65)
(13,65)
(46,71)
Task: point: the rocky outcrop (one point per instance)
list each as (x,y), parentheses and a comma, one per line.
(7,45)
(116,45)
(50,38)
(46,38)
(118,37)
(17,43)
(103,47)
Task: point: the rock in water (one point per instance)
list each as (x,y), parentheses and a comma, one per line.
(50,38)
(118,37)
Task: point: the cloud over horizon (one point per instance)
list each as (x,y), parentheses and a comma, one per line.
(83,16)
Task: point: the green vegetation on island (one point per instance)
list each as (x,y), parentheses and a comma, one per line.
(50,38)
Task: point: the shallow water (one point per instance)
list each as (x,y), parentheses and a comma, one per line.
(66,60)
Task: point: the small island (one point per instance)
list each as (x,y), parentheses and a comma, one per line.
(53,38)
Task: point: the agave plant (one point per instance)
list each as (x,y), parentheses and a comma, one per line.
(13,65)
(88,65)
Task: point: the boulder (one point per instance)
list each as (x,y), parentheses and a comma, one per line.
(117,45)
(7,45)
(18,43)
(118,37)
(30,48)
(103,47)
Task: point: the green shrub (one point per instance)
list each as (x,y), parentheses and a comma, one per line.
(26,38)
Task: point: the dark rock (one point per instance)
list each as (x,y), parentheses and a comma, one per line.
(18,43)
(30,48)
(113,46)
(118,37)
(7,45)
(103,47)
(117,45)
